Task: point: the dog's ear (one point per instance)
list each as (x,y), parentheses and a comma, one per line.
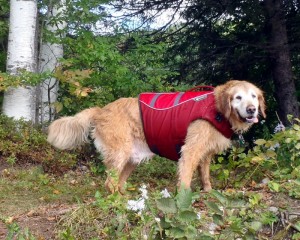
(227,104)
(262,105)
(223,100)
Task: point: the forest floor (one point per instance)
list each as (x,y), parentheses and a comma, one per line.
(33,202)
(36,201)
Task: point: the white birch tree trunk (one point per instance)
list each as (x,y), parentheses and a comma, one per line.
(50,53)
(21,102)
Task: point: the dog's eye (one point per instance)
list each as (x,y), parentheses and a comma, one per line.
(253,95)
(238,97)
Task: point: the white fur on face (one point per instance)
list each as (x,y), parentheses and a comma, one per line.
(243,99)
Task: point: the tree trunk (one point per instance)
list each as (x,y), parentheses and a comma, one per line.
(50,53)
(21,102)
(285,89)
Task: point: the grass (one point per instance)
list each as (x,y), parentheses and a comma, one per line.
(24,189)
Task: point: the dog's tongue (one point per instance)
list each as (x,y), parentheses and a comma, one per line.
(252,120)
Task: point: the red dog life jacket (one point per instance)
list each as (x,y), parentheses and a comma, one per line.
(166,117)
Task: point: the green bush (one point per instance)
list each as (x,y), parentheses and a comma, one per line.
(277,158)
(21,142)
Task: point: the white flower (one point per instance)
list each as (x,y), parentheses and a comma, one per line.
(165,193)
(279,128)
(276,145)
(157,219)
(212,228)
(136,206)
(265,180)
(199,215)
(144,191)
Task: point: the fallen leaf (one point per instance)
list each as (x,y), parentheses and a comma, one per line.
(56,192)
(9,220)
(93,184)
(73,182)
(31,213)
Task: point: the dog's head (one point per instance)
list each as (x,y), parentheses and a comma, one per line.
(241,103)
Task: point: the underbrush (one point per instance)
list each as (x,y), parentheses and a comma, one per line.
(21,143)
(258,196)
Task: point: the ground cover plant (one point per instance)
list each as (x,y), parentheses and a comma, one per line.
(257,196)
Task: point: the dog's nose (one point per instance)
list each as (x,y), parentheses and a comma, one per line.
(251,109)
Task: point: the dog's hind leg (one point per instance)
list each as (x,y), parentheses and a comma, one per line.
(118,167)
(125,173)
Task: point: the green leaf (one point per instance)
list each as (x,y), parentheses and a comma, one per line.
(260,142)
(296,127)
(205,237)
(255,199)
(274,186)
(167,205)
(165,223)
(191,232)
(297,226)
(219,196)
(249,236)
(184,199)
(175,233)
(218,219)
(255,226)
(270,154)
(214,207)
(257,159)
(187,216)
(288,140)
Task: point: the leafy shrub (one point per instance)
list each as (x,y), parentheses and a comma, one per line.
(278,158)
(113,67)
(154,215)
(20,142)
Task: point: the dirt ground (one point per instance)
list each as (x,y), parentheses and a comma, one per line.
(40,221)
(29,211)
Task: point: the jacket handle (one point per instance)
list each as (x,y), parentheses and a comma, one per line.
(200,88)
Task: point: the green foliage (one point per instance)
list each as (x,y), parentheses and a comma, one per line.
(278,158)
(238,216)
(15,232)
(100,69)
(4,13)
(179,219)
(24,78)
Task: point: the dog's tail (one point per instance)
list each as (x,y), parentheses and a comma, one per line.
(71,132)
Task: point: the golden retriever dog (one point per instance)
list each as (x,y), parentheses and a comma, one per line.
(117,132)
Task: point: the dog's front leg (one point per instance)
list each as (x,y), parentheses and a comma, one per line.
(193,153)
(186,169)
(204,173)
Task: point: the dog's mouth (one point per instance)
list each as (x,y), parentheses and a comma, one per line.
(249,119)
